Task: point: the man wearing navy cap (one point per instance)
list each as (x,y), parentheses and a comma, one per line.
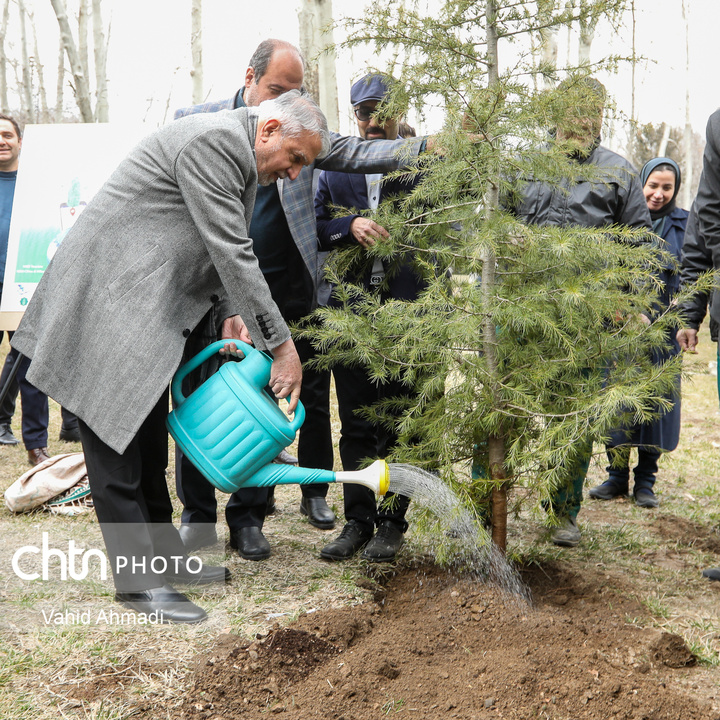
(285,242)
(359,438)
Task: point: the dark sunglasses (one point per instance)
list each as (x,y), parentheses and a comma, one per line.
(363,114)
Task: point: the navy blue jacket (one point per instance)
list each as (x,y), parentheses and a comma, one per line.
(349,190)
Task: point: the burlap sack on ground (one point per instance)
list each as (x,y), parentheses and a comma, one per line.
(45,481)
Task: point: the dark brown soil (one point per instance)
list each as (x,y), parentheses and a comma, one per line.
(434,645)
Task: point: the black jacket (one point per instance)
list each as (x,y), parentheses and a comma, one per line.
(613,197)
(696,260)
(707,202)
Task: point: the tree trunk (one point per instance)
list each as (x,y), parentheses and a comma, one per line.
(588,23)
(314,18)
(26,81)
(496,444)
(661,149)
(196,50)
(81,88)
(102,107)
(83,53)
(548,49)
(687,196)
(60,89)
(4,105)
(44,115)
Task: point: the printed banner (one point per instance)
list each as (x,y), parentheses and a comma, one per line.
(61,168)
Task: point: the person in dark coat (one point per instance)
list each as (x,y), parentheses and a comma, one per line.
(359,438)
(613,196)
(702,252)
(661,183)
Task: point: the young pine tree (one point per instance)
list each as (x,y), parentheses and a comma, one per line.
(527,343)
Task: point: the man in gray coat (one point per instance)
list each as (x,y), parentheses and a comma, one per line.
(159,244)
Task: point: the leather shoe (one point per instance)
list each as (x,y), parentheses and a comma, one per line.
(711,573)
(6,435)
(351,539)
(385,545)
(38,455)
(607,491)
(170,605)
(285,458)
(645,498)
(207,573)
(197,535)
(250,543)
(318,513)
(69,434)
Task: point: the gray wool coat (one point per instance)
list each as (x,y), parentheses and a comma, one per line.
(162,240)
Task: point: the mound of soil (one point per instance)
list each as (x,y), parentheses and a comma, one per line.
(434,645)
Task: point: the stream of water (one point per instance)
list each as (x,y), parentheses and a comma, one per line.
(461,541)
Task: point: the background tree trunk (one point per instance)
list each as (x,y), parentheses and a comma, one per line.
(102,108)
(4,105)
(83,52)
(26,98)
(44,114)
(196,49)
(60,89)
(687,194)
(320,78)
(81,88)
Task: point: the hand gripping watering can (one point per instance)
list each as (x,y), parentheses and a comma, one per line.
(231,429)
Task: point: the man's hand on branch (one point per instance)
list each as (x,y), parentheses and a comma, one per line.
(367,231)
(687,339)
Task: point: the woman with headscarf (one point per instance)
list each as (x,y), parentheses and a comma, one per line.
(661,182)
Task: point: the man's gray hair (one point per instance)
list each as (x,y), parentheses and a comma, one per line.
(297,113)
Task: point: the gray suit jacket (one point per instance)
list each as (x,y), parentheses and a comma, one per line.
(163,239)
(347,154)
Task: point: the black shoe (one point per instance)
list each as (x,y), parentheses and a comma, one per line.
(70,434)
(607,491)
(168,604)
(6,435)
(271,507)
(250,543)
(385,545)
(197,535)
(196,573)
(712,573)
(318,513)
(353,538)
(645,498)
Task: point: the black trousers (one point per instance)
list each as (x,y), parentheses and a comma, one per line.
(133,504)
(35,414)
(361,440)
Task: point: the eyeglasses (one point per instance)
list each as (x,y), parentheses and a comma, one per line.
(363,114)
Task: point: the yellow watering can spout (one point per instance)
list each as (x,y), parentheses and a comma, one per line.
(375,476)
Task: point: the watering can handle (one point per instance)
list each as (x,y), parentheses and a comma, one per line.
(206,354)
(199,359)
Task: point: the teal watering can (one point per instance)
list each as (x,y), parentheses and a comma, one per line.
(231,429)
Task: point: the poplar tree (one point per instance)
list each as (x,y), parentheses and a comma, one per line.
(527,342)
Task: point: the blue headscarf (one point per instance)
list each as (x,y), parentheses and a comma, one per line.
(658,217)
